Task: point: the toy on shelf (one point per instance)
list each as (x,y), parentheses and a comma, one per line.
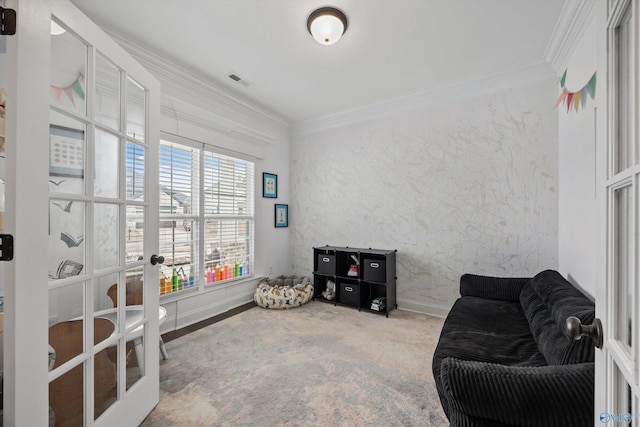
(354,268)
(330,292)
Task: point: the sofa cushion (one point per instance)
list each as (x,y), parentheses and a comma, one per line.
(485,330)
(491,331)
(547,300)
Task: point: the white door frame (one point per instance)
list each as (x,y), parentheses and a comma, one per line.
(26,292)
(616,359)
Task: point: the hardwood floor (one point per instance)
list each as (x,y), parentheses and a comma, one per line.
(166,337)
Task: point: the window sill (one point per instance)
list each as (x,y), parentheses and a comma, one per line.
(208,287)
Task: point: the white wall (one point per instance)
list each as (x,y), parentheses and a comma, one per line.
(466,185)
(577,164)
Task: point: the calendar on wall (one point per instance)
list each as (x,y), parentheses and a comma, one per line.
(66,151)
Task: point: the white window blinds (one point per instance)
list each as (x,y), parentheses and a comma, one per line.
(220,219)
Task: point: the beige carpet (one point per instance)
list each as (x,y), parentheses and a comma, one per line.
(315,365)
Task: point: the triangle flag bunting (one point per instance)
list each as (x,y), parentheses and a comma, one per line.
(578,98)
(69,90)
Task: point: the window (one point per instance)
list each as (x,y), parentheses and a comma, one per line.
(206,201)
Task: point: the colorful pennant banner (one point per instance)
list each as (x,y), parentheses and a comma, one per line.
(579,98)
(69,90)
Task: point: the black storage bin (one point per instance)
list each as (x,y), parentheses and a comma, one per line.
(326,264)
(349,294)
(375,270)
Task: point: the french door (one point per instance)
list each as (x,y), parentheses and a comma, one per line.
(81,330)
(617,367)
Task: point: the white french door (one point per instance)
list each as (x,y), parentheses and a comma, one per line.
(82,203)
(617,367)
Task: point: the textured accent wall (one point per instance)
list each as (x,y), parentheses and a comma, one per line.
(465,185)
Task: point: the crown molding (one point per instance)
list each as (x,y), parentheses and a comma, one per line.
(575,17)
(196,86)
(219,125)
(449,91)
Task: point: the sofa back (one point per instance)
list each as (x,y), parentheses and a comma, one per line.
(547,300)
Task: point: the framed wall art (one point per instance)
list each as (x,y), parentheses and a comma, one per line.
(281,216)
(66,152)
(269,185)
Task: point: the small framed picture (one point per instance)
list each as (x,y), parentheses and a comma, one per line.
(66,152)
(269,185)
(282,216)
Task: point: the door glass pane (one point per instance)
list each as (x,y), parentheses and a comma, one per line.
(66,238)
(624,96)
(66,341)
(66,303)
(66,398)
(67,147)
(68,71)
(135,171)
(623,203)
(105,379)
(106,182)
(107,93)
(135,233)
(622,412)
(105,295)
(135,110)
(135,356)
(106,227)
(135,286)
(104,365)
(134,315)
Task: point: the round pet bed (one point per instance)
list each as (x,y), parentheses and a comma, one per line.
(283,292)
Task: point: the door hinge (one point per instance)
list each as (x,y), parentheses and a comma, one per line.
(6,247)
(7,21)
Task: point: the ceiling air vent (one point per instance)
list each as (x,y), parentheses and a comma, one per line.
(237,78)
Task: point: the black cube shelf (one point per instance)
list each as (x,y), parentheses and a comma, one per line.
(364,278)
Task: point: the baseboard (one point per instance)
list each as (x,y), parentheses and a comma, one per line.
(418,307)
(171,335)
(185,319)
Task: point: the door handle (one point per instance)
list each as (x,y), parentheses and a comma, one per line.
(573,328)
(156,259)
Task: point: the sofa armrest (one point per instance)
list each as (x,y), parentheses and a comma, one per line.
(559,395)
(496,288)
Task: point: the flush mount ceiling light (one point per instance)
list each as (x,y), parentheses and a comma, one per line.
(327,25)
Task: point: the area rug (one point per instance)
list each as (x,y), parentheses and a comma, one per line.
(315,365)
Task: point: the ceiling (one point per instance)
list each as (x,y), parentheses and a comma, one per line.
(392,48)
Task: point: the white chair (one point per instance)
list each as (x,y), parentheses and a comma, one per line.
(134,297)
